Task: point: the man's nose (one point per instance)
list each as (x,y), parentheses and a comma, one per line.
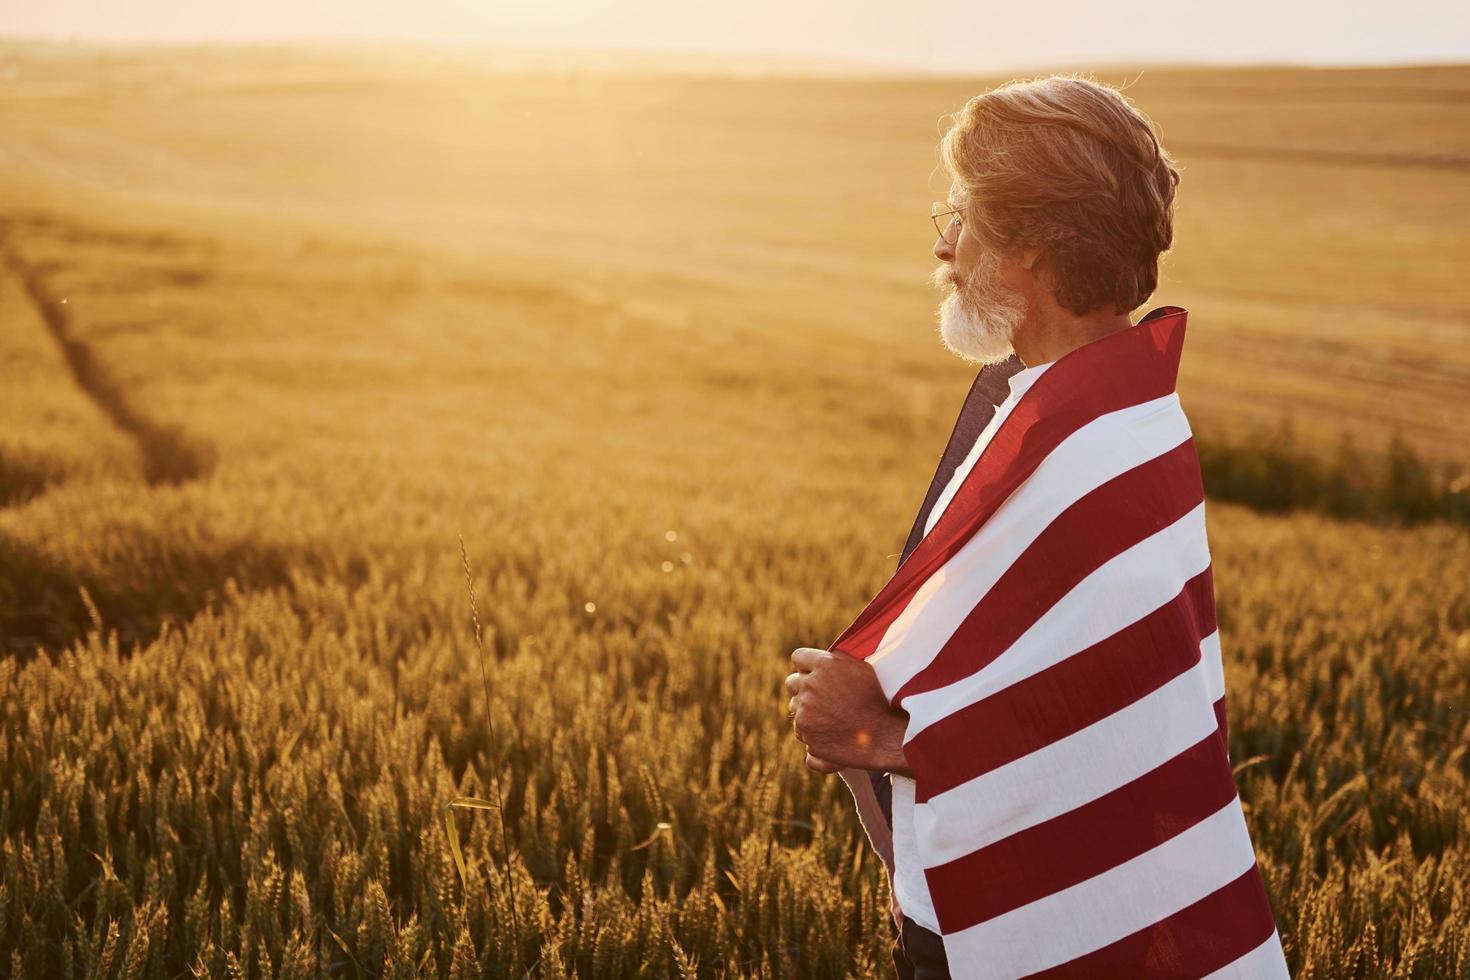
(943,250)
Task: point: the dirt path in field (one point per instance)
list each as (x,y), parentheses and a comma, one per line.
(169,456)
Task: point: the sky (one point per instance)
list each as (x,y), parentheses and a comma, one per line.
(923,35)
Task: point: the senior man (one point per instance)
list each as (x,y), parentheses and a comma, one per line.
(1030,714)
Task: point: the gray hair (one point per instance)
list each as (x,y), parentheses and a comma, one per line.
(1069,165)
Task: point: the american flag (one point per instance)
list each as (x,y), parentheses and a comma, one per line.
(1053,640)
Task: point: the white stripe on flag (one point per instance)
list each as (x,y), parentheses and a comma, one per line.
(1209,650)
(1088,916)
(1069,772)
(1103,449)
(1116,595)
(1266,962)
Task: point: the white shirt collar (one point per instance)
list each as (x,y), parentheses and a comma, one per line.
(1025,378)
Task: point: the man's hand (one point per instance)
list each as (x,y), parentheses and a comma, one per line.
(840,713)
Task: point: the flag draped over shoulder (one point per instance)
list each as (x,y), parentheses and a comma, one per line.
(1053,641)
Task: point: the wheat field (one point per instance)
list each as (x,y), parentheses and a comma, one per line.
(278,327)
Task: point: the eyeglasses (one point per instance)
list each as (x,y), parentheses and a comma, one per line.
(946,217)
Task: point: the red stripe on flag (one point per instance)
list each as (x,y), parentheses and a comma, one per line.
(1098,527)
(1062,699)
(1132,366)
(1202,597)
(1082,843)
(1193,942)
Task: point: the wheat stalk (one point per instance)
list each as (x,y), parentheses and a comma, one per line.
(469,802)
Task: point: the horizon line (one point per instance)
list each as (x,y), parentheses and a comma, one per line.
(583,57)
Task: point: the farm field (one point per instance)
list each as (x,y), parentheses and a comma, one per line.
(277,328)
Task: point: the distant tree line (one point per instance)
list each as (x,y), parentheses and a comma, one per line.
(1271,471)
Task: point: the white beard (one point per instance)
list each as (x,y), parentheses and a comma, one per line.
(978,320)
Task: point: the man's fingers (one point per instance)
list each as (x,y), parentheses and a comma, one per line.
(807,658)
(816,764)
(793,683)
(797,727)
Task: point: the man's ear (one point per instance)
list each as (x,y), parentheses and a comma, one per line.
(1030,256)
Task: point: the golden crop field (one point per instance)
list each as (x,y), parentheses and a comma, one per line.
(277,327)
